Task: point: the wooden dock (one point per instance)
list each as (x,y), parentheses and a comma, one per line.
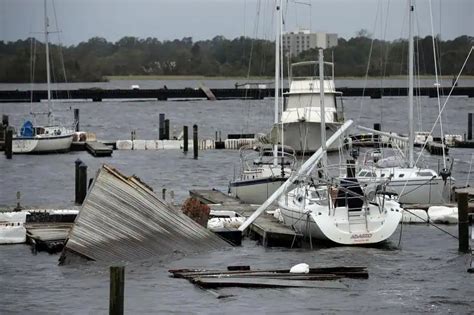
(47,236)
(98,149)
(265,228)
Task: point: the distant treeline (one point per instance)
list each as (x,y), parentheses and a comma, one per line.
(241,57)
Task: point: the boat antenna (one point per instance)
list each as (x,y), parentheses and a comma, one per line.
(277,74)
(323,110)
(411,133)
(48,75)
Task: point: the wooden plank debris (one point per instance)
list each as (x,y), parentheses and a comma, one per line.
(326,277)
(265,283)
(121,219)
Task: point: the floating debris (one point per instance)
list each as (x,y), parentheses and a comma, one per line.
(273,278)
(121,219)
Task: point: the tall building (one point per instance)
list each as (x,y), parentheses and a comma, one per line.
(296,42)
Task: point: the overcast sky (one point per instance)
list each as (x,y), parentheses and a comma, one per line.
(80,20)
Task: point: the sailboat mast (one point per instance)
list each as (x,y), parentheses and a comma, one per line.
(48,76)
(277,72)
(323,109)
(411,132)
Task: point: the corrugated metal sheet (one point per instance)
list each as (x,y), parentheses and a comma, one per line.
(123,220)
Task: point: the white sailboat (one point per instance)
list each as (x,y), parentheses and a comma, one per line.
(301,118)
(260,177)
(413,184)
(43,139)
(338,210)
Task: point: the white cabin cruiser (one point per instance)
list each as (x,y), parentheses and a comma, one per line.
(301,117)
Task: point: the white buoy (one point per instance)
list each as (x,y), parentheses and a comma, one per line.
(300,268)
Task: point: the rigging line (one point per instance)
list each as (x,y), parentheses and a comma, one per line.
(384,58)
(61,55)
(368,62)
(470,168)
(430,223)
(447,98)
(255,34)
(417,72)
(437,87)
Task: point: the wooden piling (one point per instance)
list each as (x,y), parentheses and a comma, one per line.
(76,118)
(163,194)
(167,129)
(82,183)
(9,142)
(117,289)
(185,139)
(5,120)
(161,127)
(463,222)
(76,181)
(469,126)
(195,141)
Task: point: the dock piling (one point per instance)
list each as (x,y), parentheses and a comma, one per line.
(163,194)
(185,139)
(76,118)
(195,141)
(167,129)
(161,127)
(463,222)
(469,126)
(5,120)
(9,142)
(117,289)
(81,182)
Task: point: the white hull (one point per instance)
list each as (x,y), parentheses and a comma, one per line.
(305,136)
(42,144)
(417,191)
(338,227)
(255,191)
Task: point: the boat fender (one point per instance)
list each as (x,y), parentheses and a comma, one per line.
(300,268)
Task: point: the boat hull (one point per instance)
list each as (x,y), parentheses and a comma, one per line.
(255,191)
(305,136)
(337,227)
(417,191)
(52,144)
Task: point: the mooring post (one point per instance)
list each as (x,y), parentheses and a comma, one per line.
(163,194)
(185,139)
(350,168)
(161,127)
(469,126)
(82,182)
(195,141)
(167,129)
(9,142)
(117,289)
(5,120)
(463,222)
(76,118)
(76,180)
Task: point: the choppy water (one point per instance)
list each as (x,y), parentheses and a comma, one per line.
(426,274)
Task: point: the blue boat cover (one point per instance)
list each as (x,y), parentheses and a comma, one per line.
(27,129)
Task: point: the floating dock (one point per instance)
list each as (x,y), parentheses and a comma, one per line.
(265,228)
(98,149)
